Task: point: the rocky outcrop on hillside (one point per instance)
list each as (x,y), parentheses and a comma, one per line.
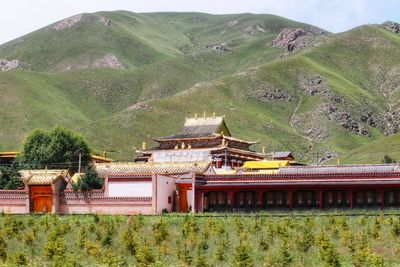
(390,89)
(287,36)
(255,28)
(139,106)
(313,84)
(393,26)
(343,118)
(6,65)
(369,118)
(68,22)
(270,95)
(310,124)
(109,61)
(219,47)
(296,38)
(326,156)
(105,21)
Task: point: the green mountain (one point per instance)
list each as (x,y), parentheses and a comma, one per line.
(121,78)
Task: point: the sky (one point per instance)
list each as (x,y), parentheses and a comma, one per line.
(19,17)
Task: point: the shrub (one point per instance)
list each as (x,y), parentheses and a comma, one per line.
(90,180)
(388,159)
(17,259)
(242,255)
(327,252)
(145,255)
(396,228)
(304,240)
(128,240)
(54,247)
(284,256)
(3,249)
(183,253)
(160,230)
(110,258)
(201,261)
(365,257)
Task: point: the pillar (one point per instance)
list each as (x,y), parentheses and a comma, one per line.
(231,199)
(351,199)
(291,199)
(260,198)
(320,199)
(382,199)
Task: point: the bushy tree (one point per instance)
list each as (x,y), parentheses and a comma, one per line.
(90,180)
(57,148)
(9,178)
(388,159)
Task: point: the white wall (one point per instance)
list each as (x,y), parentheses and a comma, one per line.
(130,189)
(165,188)
(189,199)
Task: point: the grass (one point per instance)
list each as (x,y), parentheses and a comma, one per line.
(170,69)
(374,152)
(309,238)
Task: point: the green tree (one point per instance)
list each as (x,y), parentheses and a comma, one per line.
(9,178)
(90,180)
(388,159)
(59,147)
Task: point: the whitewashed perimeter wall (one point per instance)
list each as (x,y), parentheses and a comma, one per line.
(165,189)
(130,189)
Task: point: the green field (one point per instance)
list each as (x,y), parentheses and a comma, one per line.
(267,239)
(171,71)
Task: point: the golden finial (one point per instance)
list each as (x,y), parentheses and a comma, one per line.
(183,145)
(338,161)
(144,145)
(204,115)
(213,114)
(189,146)
(223,142)
(195,115)
(223,116)
(176,147)
(263,149)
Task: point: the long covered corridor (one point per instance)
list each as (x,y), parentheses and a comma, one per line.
(281,199)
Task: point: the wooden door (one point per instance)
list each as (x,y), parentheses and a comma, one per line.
(42,198)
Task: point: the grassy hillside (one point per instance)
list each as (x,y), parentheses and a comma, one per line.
(374,152)
(122,78)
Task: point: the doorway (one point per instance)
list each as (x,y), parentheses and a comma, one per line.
(42,198)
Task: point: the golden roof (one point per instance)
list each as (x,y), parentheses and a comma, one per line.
(266,164)
(9,154)
(103,159)
(151,168)
(42,177)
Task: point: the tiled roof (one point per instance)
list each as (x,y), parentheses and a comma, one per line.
(151,168)
(200,127)
(372,168)
(282,154)
(42,177)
